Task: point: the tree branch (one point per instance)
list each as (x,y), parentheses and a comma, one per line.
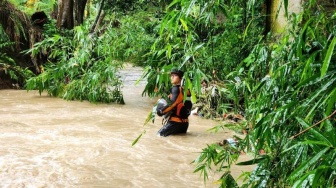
(292,137)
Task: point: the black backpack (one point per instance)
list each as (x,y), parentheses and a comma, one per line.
(183,109)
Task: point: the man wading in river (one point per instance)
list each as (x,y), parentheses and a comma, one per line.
(178,112)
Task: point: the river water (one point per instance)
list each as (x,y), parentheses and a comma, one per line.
(51,142)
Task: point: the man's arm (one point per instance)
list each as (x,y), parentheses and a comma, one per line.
(176,98)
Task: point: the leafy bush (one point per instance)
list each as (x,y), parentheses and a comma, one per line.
(8,66)
(80,68)
(85,66)
(205,39)
(131,39)
(289,91)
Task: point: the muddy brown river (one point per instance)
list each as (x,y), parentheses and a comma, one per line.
(51,142)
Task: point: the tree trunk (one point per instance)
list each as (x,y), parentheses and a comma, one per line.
(87,11)
(79,8)
(93,27)
(70,13)
(268,11)
(244,15)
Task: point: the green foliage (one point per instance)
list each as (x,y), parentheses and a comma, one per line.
(79,68)
(85,66)
(45,5)
(40,5)
(8,66)
(288,89)
(203,38)
(132,38)
(124,6)
(220,157)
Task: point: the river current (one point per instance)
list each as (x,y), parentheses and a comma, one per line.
(51,142)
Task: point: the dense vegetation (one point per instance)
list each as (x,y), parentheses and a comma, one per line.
(288,89)
(284,86)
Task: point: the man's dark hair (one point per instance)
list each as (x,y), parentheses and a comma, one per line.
(177,72)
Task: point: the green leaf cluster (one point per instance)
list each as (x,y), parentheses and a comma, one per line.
(133,36)
(8,66)
(288,90)
(83,65)
(205,39)
(80,67)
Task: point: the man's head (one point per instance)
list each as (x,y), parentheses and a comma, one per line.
(176,76)
(177,72)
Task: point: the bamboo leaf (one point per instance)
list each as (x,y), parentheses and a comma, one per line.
(331,102)
(253,161)
(259,85)
(150,117)
(312,109)
(307,69)
(164,23)
(186,59)
(137,139)
(198,46)
(327,59)
(228,181)
(317,135)
(184,24)
(191,6)
(320,90)
(169,50)
(301,41)
(247,27)
(300,171)
(301,182)
(313,142)
(319,174)
(286,7)
(173,3)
